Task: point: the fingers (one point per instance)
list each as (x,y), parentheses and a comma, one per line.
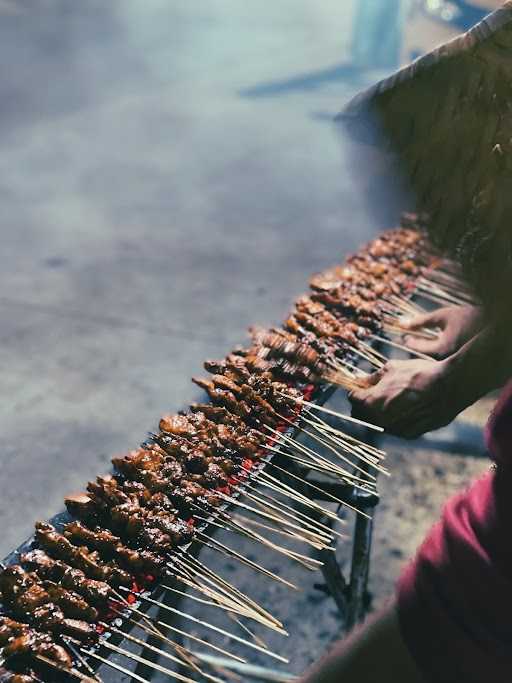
(428,346)
(376,376)
(432,319)
(359,395)
(416,322)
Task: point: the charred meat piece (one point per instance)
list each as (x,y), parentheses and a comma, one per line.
(98,539)
(72,604)
(10,677)
(29,643)
(136,522)
(30,594)
(59,547)
(83,506)
(95,592)
(224,398)
(14,581)
(9,629)
(217,414)
(175,424)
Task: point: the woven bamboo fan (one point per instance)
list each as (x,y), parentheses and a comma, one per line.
(447,120)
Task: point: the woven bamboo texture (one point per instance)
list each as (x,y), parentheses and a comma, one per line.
(447,119)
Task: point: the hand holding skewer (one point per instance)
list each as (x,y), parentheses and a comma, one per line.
(455,326)
(407,397)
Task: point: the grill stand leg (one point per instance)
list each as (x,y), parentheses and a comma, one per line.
(334,579)
(358,588)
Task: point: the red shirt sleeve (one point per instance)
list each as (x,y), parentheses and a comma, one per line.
(455,597)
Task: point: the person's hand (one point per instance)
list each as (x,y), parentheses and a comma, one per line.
(408,397)
(456,325)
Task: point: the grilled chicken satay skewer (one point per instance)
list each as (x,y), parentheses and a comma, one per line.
(24,592)
(18,639)
(83,539)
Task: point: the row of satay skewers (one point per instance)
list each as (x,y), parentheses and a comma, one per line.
(133,530)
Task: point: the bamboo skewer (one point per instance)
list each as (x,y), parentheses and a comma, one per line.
(344,382)
(241,529)
(368,459)
(308,532)
(218,599)
(215,544)
(213,627)
(144,644)
(247,630)
(374,351)
(346,476)
(203,569)
(431,297)
(324,533)
(195,598)
(350,448)
(160,652)
(357,371)
(371,358)
(402,347)
(279,520)
(379,453)
(147,662)
(308,562)
(205,574)
(304,480)
(424,284)
(402,330)
(340,416)
(59,667)
(363,454)
(69,643)
(299,497)
(185,656)
(217,605)
(114,665)
(289,492)
(339,455)
(197,639)
(156,632)
(320,545)
(451,283)
(189,577)
(305,450)
(267,527)
(313,527)
(227,592)
(325,493)
(324,465)
(276,512)
(408,304)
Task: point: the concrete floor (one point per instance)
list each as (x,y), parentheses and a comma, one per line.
(150,213)
(169,175)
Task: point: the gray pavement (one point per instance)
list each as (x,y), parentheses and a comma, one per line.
(150,213)
(169,175)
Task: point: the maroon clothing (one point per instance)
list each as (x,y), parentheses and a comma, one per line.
(455,597)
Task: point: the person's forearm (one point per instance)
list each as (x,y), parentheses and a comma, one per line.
(482,364)
(373,652)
